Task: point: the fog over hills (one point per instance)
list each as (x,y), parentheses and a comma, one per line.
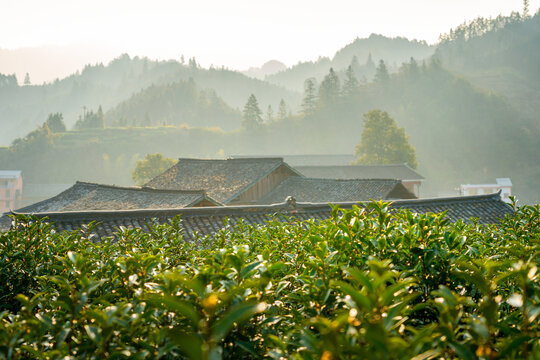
(22,108)
(48,63)
(393,51)
(268,68)
(468,104)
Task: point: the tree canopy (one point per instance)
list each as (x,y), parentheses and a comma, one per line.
(381,74)
(151,166)
(252,113)
(330,88)
(350,86)
(55,122)
(383,142)
(282,110)
(91,120)
(309,103)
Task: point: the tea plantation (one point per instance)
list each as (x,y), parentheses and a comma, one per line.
(365,284)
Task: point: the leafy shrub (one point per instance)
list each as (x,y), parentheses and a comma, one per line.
(366,283)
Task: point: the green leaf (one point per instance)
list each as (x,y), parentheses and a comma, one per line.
(462,351)
(360,299)
(189,343)
(430,354)
(236,315)
(515,343)
(360,277)
(248,269)
(176,305)
(93,333)
(276,267)
(72,257)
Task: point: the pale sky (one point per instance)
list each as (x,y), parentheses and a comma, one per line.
(234,33)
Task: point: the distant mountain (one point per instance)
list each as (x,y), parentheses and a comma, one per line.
(268,68)
(393,51)
(461,133)
(174,104)
(501,54)
(367,52)
(24,107)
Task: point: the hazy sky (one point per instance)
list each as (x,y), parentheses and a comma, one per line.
(234,33)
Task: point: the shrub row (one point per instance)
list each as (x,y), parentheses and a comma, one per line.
(366,283)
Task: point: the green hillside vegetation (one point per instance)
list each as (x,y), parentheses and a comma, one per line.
(24,107)
(365,284)
(500,54)
(105,155)
(461,133)
(361,54)
(174,104)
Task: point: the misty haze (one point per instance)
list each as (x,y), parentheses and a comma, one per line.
(187,126)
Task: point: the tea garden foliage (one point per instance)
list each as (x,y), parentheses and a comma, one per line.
(367,283)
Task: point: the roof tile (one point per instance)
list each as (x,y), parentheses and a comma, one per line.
(487,208)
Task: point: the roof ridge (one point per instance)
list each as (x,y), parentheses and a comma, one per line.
(231,210)
(451,199)
(234,159)
(251,184)
(151,213)
(350,180)
(140,188)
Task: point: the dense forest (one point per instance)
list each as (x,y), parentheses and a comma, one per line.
(24,107)
(174,104)
(361,53)
(500,54)
(463,103)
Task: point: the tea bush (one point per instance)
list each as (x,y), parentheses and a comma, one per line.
(367,283)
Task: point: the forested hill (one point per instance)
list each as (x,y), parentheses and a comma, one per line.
(501,54)
(174,104)
(363,54)
(24,107)
(462,134)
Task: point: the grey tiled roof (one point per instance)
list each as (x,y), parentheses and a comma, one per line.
(90,196)
(397,171)
(223,180)
(209,220)
(310,159)
(332,190)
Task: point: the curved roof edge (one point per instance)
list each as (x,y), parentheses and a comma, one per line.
(289,205)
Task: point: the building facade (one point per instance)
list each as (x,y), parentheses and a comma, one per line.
(11,188)
(504,185)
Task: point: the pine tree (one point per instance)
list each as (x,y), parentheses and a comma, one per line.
(310,97)
(354,63)
(27,79)
(330,88)
(413,67)
(351,82)
(282,110)
(55,122)
(370,65)
(525,8)
(381,74)
(269,114)
(252,113)
(100,118)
